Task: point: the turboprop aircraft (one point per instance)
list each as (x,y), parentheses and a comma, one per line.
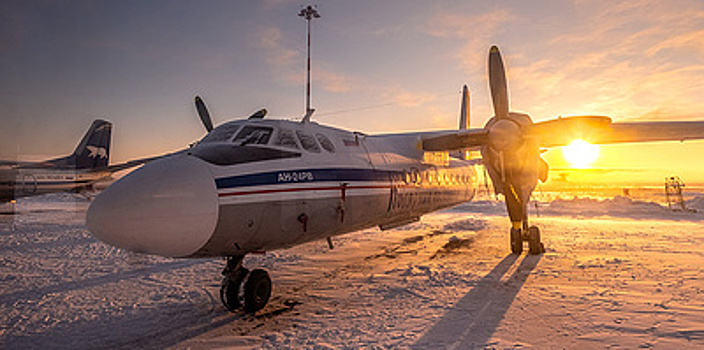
(257,184)
(87,165)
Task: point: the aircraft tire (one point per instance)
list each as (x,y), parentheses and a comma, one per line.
(230,290)
(535,245)
(257,290)
(516,241)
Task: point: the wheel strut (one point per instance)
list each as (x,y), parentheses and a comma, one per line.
(535,245)
(531,235)
(242,288)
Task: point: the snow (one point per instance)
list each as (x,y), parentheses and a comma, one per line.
(618,272)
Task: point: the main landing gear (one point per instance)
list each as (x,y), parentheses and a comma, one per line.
(242,288)
(530,235)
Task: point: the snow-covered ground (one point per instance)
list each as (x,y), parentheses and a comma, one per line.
(618,273)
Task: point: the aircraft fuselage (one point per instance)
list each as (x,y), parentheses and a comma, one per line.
(260,185)
(24,182)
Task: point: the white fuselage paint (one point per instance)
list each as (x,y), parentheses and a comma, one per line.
(272,193)
(17,183)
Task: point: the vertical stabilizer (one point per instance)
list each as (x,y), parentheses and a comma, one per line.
(464,109)
(92,152)
(94,149)
(464,118)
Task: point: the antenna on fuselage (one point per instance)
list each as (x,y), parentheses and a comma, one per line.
(308,13)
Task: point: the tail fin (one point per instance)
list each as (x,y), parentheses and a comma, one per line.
(464,119)
(464,109)
(93,151)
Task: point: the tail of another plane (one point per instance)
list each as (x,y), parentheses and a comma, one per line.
(93,151)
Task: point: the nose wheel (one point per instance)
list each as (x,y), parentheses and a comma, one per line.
(532,236)
(242,288)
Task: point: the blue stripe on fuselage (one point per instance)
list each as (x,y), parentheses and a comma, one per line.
(303,176)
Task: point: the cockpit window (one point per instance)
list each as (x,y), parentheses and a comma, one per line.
(325,142)
(307,141)
(284,137)
(253,135)
(221,133)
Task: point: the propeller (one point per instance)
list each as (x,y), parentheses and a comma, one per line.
(512,159)
(204,114)
(510,145)
(497,83)
(260,114)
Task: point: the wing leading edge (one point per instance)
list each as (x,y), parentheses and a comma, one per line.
(562,131)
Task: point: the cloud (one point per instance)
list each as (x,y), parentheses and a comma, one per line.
(333,81)
(634,60)
(411,99)
(474,30)
(693,40)
(276,54)
(288,64)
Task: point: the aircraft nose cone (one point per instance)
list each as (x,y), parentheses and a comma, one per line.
(168,207)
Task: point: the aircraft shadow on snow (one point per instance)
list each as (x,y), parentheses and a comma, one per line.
(474,318)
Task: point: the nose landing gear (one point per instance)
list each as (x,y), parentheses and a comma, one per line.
(242,288)
(532,236)
(516,241)
(535,246)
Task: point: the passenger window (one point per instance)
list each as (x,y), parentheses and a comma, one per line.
(284,137)
(253,135)
(221,133)
(307,141)
(325,142)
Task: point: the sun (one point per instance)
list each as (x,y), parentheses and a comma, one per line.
(580,154)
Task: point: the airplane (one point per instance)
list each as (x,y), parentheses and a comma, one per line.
(86,166)
(255,185)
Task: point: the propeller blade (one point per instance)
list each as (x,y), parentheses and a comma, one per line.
(497,83)
(204,115)
(260,114)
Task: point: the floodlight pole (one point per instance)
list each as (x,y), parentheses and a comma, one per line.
(308,13)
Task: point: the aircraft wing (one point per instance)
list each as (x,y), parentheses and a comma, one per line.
(9,163)
(562,131)
(126,165)
(457,139)
(554,133)
(14,164)
(651,131)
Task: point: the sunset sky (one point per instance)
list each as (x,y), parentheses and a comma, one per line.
(378,66)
